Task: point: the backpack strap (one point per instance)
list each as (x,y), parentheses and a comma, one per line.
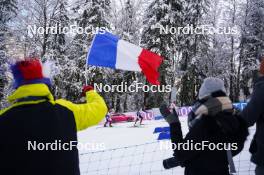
(232,167)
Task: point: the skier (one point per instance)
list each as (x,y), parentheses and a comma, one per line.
(139,117)
(39,133)
(108,120)
(213,121)
(254,113)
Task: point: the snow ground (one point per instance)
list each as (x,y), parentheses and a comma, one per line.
(125,149)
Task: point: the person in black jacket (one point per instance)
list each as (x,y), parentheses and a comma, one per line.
(212,122)
(38,133)
(254,113)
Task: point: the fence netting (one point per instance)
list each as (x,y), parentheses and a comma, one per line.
(146,159)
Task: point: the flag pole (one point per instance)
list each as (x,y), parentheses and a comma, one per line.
(86,62)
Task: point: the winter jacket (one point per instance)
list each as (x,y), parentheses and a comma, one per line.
(35,119)
(221,127)
(254,113)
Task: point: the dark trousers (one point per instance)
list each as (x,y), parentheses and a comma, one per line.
(259,170)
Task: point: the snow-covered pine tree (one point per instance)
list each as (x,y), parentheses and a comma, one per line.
(159,15)
(61,20)
(194,48)
(229,45)
(127,23)
(252,43)
(58,46)
(94,14)
(8,11)
(36,22)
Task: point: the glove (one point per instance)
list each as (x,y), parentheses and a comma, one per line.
(86,89)
(171,163)
(168,116)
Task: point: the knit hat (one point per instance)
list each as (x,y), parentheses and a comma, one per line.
(211,85)
(28,71)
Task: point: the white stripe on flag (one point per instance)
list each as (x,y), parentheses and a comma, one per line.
(127,56)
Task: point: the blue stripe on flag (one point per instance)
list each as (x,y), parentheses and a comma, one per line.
(103,50)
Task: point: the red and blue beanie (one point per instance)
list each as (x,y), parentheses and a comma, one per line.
(28,71)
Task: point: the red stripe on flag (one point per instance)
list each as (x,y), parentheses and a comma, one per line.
(149,62)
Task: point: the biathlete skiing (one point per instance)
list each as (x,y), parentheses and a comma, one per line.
(108,120)
(139,117)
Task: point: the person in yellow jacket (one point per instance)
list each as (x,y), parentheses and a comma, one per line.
(38,133)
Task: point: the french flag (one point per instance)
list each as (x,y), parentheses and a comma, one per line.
(108,50)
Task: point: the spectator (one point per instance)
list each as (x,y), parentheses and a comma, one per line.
(35,118)
(253,113)
(212,121)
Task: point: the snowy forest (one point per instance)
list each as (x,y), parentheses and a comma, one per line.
(188,58)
